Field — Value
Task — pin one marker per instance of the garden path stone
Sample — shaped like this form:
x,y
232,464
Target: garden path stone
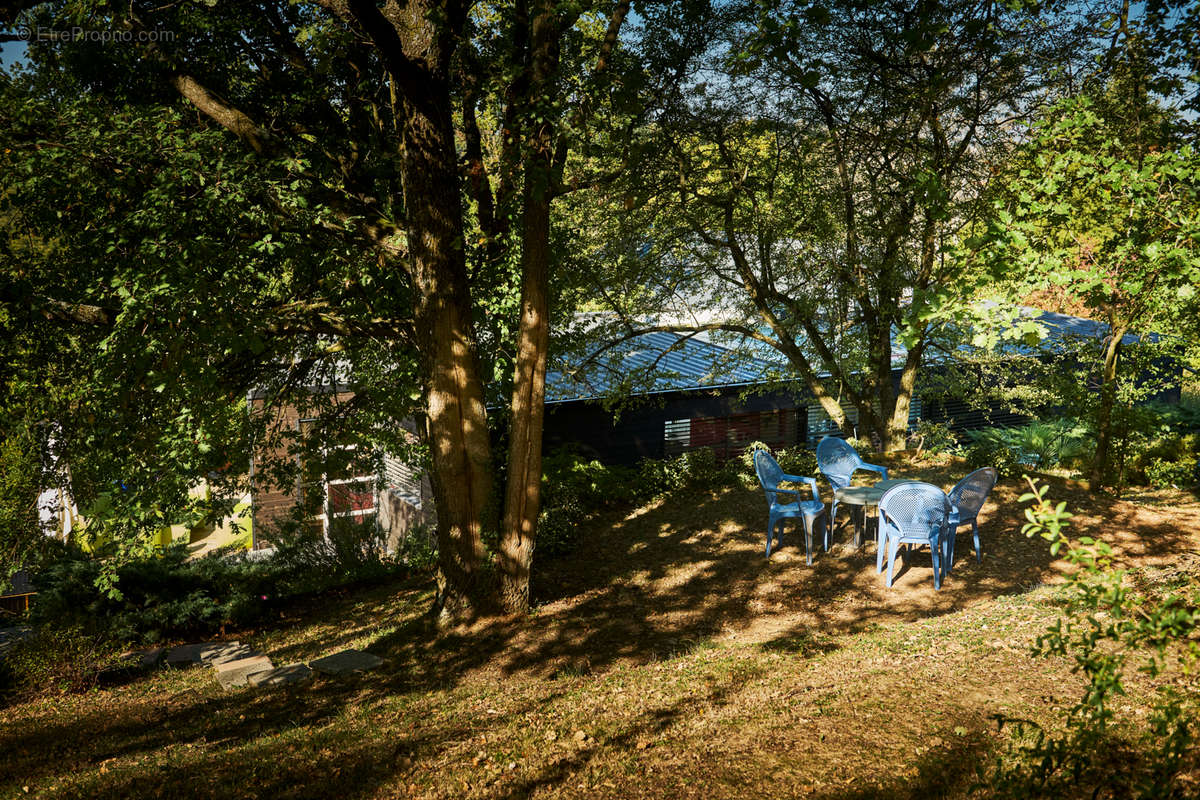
x,y
184,655
229,654
280,676
235,673
345,662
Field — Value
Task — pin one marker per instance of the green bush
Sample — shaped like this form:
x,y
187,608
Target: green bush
x,y
574,486
862,446
156,597
990,451
558,527
1106,629
697,467
306,561
1165,474
170,594
418,548
792,460
1167,447
570,476
934,438
700,468
57,659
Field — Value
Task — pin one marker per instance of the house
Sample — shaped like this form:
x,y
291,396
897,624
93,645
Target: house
x,y
696,393
341,486
379,489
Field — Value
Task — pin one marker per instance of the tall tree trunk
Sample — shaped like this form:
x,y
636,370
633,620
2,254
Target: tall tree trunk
x,y
1104,412
416,42
897,423
522,499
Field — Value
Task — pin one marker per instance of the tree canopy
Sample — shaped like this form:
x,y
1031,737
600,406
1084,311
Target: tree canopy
x,y
815,177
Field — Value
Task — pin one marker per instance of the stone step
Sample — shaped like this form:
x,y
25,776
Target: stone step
x,y
231,654
280,676
235,673
346,662
143,659
199,653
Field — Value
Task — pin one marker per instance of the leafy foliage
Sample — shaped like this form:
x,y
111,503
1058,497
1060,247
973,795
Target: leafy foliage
x,y
58,659
1101,211
576,486
805,201
1106,628
22,543
1179,474
170,594
934,438
792,460
990,450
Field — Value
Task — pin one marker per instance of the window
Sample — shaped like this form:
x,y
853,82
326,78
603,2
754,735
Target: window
x,y
339,486
402,479
819,423
678,433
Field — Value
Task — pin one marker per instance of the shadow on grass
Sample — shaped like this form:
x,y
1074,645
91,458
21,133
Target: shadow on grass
x,y
642,585
655,584
301,743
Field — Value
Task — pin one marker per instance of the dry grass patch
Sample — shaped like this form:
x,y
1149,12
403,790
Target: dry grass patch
x,y
666,658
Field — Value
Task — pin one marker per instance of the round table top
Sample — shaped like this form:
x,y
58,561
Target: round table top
x,y
867,495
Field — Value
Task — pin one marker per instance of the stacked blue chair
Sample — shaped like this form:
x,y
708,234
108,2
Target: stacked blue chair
x,y
838,461
914,513
968,498
769,477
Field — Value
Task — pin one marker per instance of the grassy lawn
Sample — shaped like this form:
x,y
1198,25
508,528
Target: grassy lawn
x,y
666,658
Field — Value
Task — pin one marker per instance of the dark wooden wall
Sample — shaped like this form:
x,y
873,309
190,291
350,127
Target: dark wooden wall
x,y
636,433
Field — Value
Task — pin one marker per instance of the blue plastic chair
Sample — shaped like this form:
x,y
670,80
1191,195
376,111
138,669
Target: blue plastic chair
x,y
914,513
769,477
838,461
968,498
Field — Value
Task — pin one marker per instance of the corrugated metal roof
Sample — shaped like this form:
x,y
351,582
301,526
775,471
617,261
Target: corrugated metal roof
x,y
671,362
653,363
1064,325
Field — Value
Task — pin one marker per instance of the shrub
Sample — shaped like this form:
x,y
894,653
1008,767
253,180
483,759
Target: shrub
x,y
170,594
988,451
792,460
558,527
418,548
156,597
934,438
306,561
1104,627
697,467
58,659
568,475
863,446
657,477
1168,447
1043,444
1165,474
574,486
